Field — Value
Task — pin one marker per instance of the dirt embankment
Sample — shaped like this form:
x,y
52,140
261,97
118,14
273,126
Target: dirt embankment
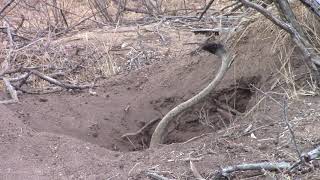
x,y
75,135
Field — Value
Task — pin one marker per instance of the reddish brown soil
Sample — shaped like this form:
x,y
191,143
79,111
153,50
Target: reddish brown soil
x,y
74,135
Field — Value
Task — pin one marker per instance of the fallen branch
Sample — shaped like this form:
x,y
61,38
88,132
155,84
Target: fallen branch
x,y
19,78
227,108
155,176
146,127
6,63
268,166
160,132
58,83
306,158
41,91
12,92
195,171
285,118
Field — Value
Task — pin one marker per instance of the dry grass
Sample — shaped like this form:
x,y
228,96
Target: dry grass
x,y
293,82
85,56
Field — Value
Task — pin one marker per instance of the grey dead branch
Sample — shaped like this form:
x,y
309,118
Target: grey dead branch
x,y
227,172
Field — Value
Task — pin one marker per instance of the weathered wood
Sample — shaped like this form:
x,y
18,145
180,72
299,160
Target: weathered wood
x,y
158,137
313,5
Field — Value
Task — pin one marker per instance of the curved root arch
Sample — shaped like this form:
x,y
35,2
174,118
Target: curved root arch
x,y
158,137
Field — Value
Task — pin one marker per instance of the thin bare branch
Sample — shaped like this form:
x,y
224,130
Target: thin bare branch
x,y
206,9
6,6
313,5
12,92
285,118
268,15
146,127
58,83
195,171
268,166
155,175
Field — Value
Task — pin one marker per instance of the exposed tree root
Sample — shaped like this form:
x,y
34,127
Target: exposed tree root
x,y
160,132
146,127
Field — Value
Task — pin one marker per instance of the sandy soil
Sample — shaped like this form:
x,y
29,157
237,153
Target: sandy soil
x,y
75,135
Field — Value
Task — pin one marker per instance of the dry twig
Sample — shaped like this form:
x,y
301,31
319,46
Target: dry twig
x,y
285,117
12,92
58,83
206,9
146,127
6,6
195,171
313,5
154,175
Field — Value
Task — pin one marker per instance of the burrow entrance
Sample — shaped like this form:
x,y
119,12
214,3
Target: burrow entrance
x,y
85,117
217,112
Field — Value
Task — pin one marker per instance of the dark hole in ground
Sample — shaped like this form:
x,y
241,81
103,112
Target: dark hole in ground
x,y
213,114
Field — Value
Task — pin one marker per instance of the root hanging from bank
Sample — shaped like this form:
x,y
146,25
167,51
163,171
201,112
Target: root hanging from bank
x,y
158,137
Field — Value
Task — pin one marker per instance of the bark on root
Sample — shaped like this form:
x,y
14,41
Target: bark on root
x,y
158,137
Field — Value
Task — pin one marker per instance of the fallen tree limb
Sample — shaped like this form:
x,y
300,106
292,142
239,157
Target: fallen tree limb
x,y
12,92
160,132
306,158
58,83
54,90
195,171
268,166
155,176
